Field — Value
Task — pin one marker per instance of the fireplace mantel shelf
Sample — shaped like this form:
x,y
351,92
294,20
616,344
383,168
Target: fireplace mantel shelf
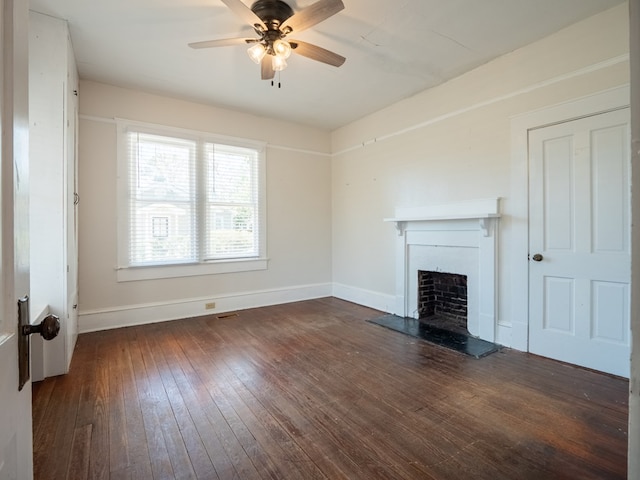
x,y
485,211
484,219
433,218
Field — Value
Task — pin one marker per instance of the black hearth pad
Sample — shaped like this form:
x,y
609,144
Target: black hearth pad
x,y
459,342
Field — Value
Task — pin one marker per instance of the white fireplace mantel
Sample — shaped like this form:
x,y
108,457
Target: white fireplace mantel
x,y
484,211
454,238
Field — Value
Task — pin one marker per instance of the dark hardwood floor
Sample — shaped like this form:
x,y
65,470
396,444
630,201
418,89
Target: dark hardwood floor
x,y
310,390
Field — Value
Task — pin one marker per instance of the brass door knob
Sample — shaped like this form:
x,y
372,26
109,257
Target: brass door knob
x,y
537,257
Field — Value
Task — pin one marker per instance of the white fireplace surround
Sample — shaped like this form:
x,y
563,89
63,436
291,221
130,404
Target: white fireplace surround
x,y
454,238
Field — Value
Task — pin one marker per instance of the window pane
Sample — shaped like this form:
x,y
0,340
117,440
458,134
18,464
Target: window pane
x,y
164,167
232,202
162,200
232,233
231,172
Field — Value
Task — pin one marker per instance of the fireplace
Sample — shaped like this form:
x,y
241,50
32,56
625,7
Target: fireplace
x,y
442,299
456,238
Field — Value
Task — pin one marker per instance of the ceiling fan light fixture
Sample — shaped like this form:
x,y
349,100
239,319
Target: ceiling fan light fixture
x,y
272,22
257,52
278,63
282,48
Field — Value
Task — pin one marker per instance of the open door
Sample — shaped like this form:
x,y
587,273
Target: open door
x,y
16,450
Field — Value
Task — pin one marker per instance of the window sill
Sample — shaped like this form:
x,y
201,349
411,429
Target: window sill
x,y
133,274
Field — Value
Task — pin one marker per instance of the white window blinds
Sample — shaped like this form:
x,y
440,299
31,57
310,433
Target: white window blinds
x,y
231,202
190,200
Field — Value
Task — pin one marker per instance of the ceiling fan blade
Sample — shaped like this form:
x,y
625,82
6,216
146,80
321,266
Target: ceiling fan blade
x,y
266,68
224,42
244,12
312,15
317,53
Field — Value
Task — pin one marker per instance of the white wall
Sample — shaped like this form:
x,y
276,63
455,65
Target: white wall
x,y
452,144
298,213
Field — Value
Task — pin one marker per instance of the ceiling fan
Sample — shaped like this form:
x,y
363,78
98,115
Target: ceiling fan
x,y
273,21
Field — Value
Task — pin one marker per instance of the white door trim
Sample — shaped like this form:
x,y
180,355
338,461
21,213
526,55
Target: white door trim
x,y
608,100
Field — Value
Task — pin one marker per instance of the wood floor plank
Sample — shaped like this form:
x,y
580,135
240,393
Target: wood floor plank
x,y
42,392
97,402
80,453
118,448
310,390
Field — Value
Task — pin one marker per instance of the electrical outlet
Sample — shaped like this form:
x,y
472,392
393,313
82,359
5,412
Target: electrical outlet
x,y
210,305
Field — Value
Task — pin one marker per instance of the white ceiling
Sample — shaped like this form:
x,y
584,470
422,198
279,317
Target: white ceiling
x,y
394,49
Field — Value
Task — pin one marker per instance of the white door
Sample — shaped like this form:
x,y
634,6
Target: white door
x,y
71,203
16,452
579,242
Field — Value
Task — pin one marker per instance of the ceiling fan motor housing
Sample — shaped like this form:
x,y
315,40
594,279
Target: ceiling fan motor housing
x,y
270,10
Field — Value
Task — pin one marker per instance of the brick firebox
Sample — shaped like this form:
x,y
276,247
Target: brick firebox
x,y
443,295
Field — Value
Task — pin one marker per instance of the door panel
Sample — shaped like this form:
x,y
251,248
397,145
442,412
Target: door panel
x,y
559,315
610,212
558,207
609,318
580,225
16,453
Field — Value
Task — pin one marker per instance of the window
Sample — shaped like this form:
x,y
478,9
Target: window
x,y
160,227
190,201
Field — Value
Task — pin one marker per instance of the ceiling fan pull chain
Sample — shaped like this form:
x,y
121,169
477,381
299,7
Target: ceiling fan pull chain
x,y
273,84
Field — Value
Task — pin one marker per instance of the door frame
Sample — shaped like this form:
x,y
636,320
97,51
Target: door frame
x,y
517,256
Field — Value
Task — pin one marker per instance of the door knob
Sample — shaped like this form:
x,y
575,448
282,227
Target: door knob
x,y
48,328
537,257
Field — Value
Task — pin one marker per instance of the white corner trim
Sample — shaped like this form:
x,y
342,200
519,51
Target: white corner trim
x,y
376,300
141,314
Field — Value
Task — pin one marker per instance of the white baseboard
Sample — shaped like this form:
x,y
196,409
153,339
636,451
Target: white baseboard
x,y
109,318
368,298
503,335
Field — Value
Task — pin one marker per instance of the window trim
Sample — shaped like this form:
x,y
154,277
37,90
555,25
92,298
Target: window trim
x,y
126,272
